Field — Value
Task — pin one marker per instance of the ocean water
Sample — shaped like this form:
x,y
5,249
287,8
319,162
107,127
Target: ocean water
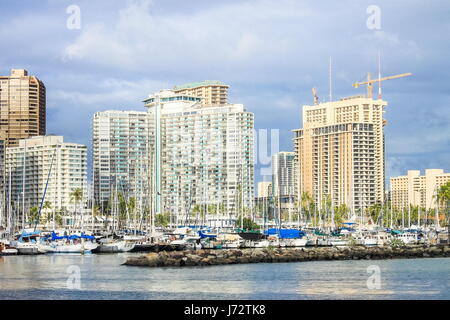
x,y
104,277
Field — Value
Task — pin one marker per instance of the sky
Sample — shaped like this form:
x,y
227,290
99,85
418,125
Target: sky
x,y
270,52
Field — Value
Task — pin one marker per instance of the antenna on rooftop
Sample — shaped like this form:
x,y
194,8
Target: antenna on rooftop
x,y
379,75
331,85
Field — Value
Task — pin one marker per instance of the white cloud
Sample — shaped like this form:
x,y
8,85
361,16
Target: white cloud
x,y
227,33
109,92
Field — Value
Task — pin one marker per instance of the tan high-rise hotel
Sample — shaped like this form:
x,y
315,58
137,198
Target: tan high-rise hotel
x,y
340,152
22,107
210,92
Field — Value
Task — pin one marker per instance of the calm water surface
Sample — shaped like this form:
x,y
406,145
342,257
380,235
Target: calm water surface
x,y
103,277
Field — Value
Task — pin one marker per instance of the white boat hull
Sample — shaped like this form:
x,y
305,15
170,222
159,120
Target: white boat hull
x,y
339,243
8,252
231,245
26,248
68,248
301,242
116,246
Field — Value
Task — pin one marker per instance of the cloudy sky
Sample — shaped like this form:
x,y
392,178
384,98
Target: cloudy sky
x,y
270,52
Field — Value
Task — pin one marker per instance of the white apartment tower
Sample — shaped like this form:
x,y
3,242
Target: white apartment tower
x,y
34,161
205,154
283,178
120,155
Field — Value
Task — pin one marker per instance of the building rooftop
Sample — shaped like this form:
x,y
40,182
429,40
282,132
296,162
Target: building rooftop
x,y
200,84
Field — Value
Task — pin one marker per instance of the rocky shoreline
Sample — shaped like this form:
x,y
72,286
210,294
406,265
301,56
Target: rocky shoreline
x,y
273,255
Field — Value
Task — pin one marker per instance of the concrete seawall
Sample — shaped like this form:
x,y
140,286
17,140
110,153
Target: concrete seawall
x,y
273,255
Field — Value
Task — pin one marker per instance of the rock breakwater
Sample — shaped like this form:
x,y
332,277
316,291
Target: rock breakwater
x,y
273,255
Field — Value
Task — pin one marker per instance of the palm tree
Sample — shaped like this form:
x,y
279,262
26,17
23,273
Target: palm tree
x,y
132,210
196,210
47,206
123,208
34,215
326,205
340,213
76,195
222,209
59,218
374,212
306,201
299,215
443,199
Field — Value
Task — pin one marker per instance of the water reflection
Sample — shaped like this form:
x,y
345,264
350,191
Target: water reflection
x,y
104,276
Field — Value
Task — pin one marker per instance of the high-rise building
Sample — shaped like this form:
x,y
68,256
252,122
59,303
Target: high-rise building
x,y
263,207
416,190
38,159
120,158
205,155
264,189
340,152
210,92
283,178
22,107
283,182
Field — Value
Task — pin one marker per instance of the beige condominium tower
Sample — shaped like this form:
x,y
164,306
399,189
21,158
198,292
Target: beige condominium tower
x,y
416,190
340,152
22,107
210,92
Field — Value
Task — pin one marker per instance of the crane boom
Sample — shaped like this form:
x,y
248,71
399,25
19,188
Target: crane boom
x,y
371,81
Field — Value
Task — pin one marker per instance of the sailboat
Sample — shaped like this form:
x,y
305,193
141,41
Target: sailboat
x,y
110,245
68,244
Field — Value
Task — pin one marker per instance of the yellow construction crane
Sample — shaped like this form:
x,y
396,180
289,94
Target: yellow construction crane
x,y
371,81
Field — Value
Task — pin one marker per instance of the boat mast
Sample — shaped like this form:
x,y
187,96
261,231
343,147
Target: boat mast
x,y
23,185
403,218
92,189
46,186
418,217
390,204
9,222
409,216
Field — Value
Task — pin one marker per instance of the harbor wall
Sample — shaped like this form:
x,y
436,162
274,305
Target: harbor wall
x,y
273,255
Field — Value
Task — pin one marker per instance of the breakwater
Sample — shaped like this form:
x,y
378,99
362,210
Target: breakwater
x,y
273,255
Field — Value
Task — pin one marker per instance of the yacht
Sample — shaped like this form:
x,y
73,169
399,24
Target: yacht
x,y
408,237
296,242
115,246
6,249
338,242
27,243
188,242
68,244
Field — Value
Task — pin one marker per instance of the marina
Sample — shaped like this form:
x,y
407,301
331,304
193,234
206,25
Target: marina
x,y
30,242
